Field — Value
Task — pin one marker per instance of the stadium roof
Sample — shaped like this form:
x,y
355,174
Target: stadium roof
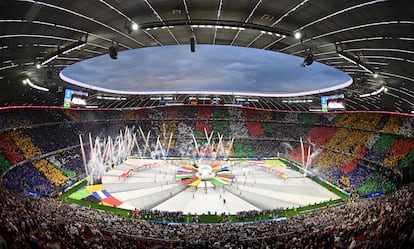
x,y
371,40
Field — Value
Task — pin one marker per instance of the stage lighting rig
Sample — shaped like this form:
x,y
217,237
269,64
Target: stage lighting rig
x,y
192,44
357,62
69,48
112,51
308,60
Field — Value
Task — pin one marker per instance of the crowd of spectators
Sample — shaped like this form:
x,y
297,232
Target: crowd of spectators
x,y
4,164
9,149
364,121
393,124
400,149
279,131
64,136
317,137
70,162
24,142
337,140
23,152
385,222
407,127
184,144
357,142
237,127
27,176
30,117
245,215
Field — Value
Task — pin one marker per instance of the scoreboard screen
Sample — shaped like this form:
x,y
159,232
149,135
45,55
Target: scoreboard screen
x,y
333,102
75,98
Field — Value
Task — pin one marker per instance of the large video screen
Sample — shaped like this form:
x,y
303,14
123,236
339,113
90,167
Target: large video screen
x,y
75,98
333,102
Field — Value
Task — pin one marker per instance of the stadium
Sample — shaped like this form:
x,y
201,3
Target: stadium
x,y
206,124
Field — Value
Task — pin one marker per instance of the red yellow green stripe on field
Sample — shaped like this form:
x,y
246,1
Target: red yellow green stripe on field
x,y
188,175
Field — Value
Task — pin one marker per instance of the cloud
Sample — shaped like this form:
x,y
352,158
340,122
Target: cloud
x,y
210,68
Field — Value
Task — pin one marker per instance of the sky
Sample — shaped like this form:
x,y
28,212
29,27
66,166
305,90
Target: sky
x,y
211,68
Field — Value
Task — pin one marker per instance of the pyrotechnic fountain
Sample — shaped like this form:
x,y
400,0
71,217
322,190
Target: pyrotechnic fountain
x,y
207,166
107,152
212,150
306,162
287,146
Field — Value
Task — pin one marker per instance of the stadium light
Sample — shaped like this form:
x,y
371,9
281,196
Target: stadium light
x,y
382,89
29,82
110,98
130,26
216,24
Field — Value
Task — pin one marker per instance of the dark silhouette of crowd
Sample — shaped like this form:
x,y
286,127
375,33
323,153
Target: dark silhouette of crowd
x,y
385,222
157,215
245,215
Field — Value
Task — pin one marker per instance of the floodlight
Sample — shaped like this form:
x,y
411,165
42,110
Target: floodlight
x,y
113,53
192,44
130,26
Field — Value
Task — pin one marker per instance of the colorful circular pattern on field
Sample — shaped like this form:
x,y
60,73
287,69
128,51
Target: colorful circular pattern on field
x,y
206,175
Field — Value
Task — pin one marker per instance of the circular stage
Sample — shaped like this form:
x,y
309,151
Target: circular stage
x,y
205,187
